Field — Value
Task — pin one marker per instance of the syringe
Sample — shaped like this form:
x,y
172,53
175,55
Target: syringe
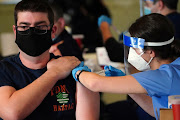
x,y
102,72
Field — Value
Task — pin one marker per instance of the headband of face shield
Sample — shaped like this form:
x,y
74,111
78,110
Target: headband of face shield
x,y
134,49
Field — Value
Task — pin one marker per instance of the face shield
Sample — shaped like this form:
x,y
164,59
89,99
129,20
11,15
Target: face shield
x,y
133,51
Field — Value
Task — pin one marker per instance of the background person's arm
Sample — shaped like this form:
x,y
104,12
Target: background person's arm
x,y
114,48
105,31
88,104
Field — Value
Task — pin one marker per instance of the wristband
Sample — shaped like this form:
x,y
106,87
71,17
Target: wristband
x,y
79,74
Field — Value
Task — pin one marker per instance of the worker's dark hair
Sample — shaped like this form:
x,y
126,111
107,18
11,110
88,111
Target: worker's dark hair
x,y
34,6
156,28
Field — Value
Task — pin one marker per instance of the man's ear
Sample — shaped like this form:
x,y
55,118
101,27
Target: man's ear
x,y
14,30
161,4
54,28
62,23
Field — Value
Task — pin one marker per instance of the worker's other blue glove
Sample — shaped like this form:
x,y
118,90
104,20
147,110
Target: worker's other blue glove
x,y
111,71
79,68
104,18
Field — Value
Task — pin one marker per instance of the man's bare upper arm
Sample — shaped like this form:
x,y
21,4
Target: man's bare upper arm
x,y
88,104
5,94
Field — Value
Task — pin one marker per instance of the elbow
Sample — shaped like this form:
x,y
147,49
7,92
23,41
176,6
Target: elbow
x,y
13,115
91,81
93,85
152,114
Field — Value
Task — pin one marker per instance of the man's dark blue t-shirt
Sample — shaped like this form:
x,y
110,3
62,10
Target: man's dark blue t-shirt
x,y
59,104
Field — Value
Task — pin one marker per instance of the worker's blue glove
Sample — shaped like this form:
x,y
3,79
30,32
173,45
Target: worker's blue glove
x,y
79,68
104,18
81,64
111,71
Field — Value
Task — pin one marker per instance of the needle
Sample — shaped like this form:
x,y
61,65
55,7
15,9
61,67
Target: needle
x,y
100,72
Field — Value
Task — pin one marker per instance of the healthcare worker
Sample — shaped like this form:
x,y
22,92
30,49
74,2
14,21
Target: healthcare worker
x,y
152,49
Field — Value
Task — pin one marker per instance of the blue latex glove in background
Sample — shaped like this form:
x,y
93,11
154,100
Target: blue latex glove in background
x,y
104,18
79,68
111,71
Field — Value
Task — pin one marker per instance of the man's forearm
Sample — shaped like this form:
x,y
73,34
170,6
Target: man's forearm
x,y
24,101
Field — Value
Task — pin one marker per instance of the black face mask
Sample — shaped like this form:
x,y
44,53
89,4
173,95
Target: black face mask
x,y
34,44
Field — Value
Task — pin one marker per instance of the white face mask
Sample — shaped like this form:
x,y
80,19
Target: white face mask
x,y
137,61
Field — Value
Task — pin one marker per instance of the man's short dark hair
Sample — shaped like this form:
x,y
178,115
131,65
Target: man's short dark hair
x,y
34,6
171,4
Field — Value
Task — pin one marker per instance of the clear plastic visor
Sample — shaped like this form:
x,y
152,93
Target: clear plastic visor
x,y
136,44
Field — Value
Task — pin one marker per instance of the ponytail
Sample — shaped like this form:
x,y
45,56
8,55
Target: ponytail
x,y
175,49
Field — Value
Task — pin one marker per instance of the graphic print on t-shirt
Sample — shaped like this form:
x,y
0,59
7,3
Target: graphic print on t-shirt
x,y
62,95
62,98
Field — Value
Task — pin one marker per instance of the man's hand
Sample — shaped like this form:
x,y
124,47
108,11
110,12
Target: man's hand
x,y
63,66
